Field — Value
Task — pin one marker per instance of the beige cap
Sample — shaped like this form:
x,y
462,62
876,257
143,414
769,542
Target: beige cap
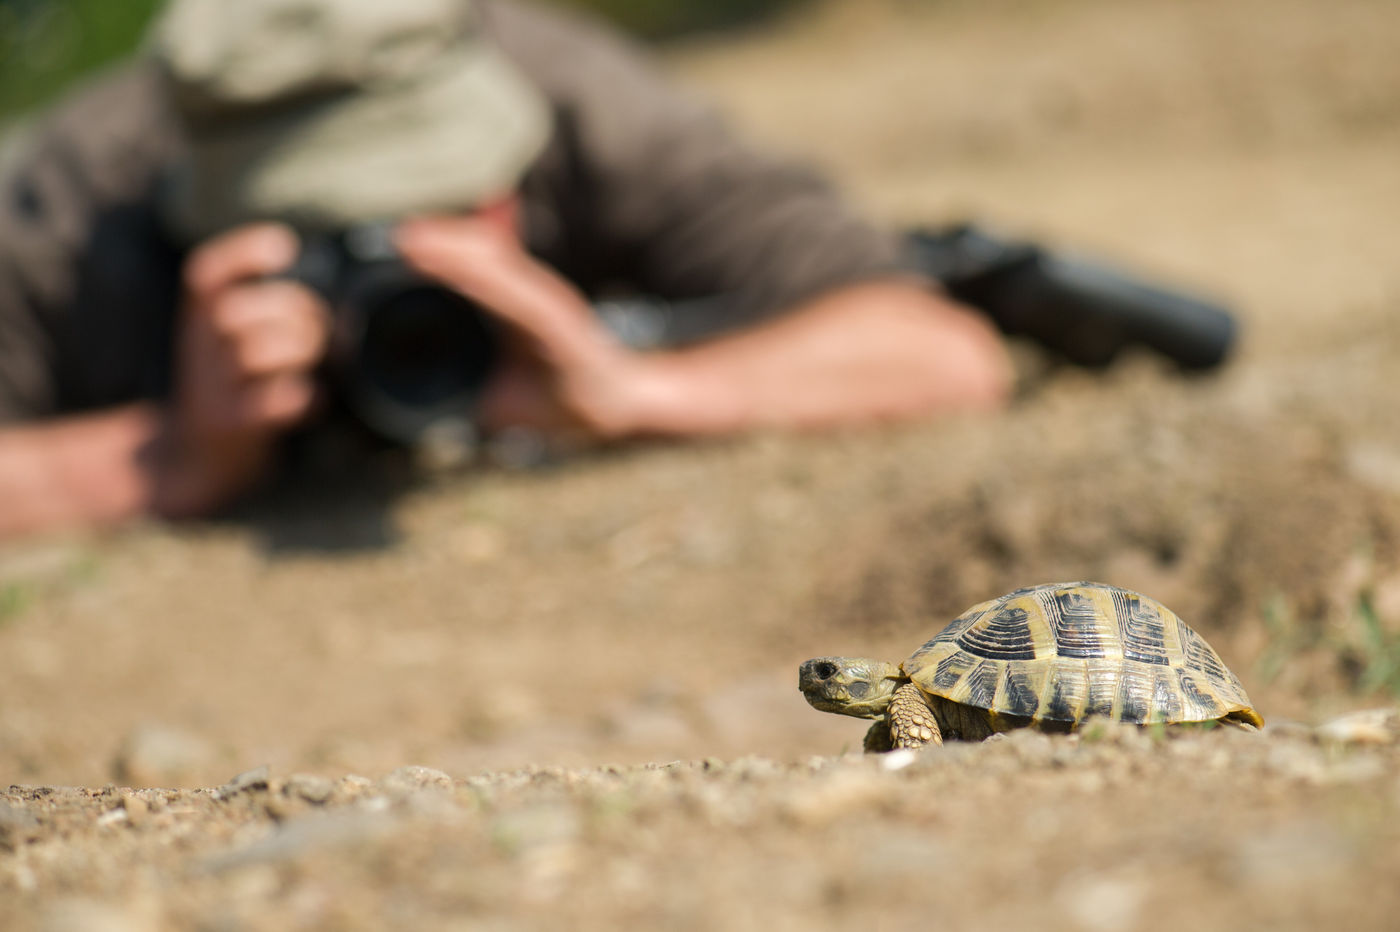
x,y
335,112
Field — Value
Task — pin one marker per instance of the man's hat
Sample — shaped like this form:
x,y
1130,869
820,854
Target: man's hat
x,y
334,112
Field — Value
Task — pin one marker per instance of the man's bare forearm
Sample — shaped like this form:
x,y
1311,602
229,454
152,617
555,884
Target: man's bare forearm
x,y
86,470
880,351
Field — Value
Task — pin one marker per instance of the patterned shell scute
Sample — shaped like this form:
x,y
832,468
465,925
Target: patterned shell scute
x,y
1060,652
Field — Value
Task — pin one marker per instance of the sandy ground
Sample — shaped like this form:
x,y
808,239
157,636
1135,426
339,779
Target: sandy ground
x,y
549,644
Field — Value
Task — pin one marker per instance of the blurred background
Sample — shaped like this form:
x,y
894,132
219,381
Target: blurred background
x,y
45,44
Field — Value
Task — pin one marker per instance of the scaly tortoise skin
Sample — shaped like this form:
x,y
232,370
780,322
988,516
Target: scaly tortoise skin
x,y
1045,657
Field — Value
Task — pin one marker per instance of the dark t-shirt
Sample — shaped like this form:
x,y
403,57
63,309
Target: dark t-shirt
x,y
640,188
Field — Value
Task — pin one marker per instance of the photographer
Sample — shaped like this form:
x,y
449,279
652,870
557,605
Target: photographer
x,y
154,346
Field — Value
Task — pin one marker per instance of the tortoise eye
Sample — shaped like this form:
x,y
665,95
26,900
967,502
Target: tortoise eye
x,y
825,670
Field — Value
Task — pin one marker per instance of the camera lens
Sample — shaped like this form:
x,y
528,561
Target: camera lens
x,y
407,355
425,347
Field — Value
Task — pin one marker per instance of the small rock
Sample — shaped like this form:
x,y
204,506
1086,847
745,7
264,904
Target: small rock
x,y
136,808
1100,730
446,446
309,787
1291,855
1289,729
723,804
1102,903
1373,727
646,725
842,793
23,876
88,916
1032,747
478,543
281,808
16,827
957,754
534,827
412,778
1354,768
352,786
754,768
1375,465
159,755
255,779
518,449
1298,761
112,816
898,759
295,838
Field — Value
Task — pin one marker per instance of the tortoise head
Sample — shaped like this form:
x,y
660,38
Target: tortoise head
x,y
849,685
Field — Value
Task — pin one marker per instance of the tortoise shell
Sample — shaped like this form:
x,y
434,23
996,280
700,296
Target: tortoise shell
x,y
1049,656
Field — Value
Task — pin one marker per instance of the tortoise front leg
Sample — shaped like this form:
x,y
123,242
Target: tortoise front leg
x,y
877,739
912,724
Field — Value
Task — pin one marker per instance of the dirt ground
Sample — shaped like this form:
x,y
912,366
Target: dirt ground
x,y
566,697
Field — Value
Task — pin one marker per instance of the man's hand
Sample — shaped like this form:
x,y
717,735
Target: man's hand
x,y
889,349
245,354
561,372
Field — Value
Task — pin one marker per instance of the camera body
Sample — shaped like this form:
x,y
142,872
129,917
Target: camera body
x,y
406,354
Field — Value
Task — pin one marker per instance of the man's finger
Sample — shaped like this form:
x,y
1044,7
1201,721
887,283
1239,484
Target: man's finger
x,y
253,251
271,327
277,401
277,347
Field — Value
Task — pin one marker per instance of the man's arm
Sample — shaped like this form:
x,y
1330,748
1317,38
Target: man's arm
x,y
107,467
247,347
879,351
874,351
82,470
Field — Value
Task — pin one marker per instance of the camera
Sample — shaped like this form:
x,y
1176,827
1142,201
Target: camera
x,y
406,354
409,356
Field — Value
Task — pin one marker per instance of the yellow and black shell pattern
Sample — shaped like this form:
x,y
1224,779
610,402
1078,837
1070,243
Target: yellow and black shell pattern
x,y
1050,656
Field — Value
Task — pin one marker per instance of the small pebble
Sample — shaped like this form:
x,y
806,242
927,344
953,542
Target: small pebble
x,y
80,915
159,755
282,808
352,786
255,779
16,827
136,808
828,798
411,778
1372,727
310,787
535,826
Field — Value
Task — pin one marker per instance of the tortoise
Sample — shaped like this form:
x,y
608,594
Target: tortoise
x,y
1045,657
